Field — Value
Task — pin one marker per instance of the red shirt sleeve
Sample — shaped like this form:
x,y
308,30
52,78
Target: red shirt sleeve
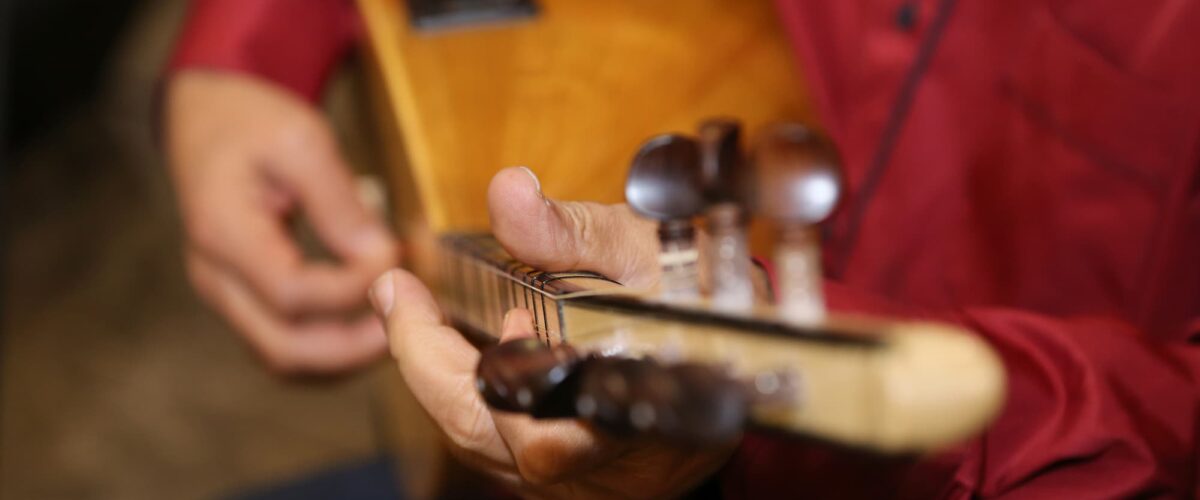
x,y
1094,409
294,43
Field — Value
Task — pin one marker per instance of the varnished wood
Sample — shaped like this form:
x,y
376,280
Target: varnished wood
x,y
570,93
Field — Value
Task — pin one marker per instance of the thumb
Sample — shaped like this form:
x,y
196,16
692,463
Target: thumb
x,y
562,236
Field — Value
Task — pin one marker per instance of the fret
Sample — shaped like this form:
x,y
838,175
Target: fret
x,y
461,272
453,280
514,295
470,278
545,324
488,313
494,314
463,306
478,306
485,305
537,324
485,283
526,278
503,290
525,299
498,299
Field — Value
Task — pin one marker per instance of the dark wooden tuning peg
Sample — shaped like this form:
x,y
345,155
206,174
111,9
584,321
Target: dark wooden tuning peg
x,y
665,182
607,392
711,409
687,404
797,175
528,376
721,160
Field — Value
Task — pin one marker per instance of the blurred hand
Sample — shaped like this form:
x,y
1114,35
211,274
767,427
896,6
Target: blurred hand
x,y
247,157
553,459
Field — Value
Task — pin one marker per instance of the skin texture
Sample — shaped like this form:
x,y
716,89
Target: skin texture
x,y
246,158
539,459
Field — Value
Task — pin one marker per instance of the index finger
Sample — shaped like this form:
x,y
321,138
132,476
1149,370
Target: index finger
x,y
438,365
314,346
250,239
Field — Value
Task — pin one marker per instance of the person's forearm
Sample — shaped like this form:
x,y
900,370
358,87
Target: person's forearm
x,y
1086,397
293,43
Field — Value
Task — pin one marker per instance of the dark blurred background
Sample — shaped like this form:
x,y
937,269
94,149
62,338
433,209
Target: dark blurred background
x,y
114,381
59,48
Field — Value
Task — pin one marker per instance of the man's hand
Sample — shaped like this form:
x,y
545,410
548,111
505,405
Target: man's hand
x,y
538,458
246,157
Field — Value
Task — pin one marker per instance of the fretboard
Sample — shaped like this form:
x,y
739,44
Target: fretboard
x,y
481,282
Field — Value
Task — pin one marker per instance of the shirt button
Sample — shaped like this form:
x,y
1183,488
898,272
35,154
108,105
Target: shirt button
x,y
906,16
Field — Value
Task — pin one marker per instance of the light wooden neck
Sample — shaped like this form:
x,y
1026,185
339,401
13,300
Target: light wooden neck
x,y
881,385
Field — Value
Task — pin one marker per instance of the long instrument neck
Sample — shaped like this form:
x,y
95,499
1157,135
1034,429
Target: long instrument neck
x,y
864,382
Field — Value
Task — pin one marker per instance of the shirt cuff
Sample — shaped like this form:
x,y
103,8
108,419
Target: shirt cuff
x,y
295,44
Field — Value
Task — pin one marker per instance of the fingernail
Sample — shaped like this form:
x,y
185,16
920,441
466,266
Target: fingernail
x,y
383,293
537,183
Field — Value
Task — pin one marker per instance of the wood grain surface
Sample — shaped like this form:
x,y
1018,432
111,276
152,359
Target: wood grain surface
x,y
570,93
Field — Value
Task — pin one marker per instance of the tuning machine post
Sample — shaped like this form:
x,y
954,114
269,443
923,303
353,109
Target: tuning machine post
x,y
725,181
798,182
665,184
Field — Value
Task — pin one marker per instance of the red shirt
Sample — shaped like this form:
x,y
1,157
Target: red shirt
x,y
294,43
1027,168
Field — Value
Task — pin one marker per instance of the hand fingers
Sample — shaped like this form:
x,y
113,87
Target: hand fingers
x,y
558,236
330,197
231,223
518,324
438,364
315,346
243,153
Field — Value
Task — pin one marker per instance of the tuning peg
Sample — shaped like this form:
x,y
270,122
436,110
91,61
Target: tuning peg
x,y
798,183
528,376
665,183
721,160
688,403
725,178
